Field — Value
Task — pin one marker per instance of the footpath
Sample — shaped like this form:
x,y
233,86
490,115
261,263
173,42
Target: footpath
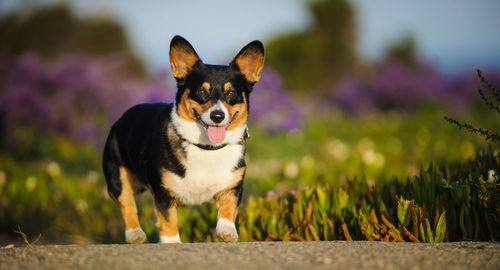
x,y
258,255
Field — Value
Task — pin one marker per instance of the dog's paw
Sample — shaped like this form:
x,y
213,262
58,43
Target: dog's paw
x,y
226,230
135,236
170,239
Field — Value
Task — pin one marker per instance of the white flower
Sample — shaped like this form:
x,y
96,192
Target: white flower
x,y
53,169
291,170
492,175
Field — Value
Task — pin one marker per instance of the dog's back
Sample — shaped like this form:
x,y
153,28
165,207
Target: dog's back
x,y
134,142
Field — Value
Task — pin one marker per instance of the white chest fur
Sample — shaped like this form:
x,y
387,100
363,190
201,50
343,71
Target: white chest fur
x,y
207,172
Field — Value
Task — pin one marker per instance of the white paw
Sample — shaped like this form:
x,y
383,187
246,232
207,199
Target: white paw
x,y
135,236
170,239
226,230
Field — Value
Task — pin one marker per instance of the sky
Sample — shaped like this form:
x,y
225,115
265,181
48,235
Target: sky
x,y
456,35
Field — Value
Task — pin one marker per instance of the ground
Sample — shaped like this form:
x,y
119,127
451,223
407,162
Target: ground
x,y
258,255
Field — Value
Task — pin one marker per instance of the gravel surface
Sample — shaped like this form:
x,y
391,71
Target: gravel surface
x,y
258,255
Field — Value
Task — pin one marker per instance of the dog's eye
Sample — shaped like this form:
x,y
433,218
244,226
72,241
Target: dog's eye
x,y
203,93
230,94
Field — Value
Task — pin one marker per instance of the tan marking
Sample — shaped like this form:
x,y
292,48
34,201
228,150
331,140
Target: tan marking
x,y
226,205
240,118
126,199
206,86
250,63
228,86
174,140
226,201
168,183
186,106
167,221
166,180
182,60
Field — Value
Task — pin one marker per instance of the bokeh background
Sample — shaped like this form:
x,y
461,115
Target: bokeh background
x,y
350,89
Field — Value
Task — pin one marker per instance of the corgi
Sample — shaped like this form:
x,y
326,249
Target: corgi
x,y
187,152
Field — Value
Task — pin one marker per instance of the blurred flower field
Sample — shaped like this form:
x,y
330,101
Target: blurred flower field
x,y
54,118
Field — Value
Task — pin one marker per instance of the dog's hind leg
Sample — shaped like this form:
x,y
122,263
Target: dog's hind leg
x,y
122,188
126,200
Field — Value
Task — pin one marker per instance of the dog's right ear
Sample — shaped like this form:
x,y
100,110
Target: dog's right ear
x,y
182,57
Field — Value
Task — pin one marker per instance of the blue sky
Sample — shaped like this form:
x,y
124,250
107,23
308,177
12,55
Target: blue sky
x,y
457,35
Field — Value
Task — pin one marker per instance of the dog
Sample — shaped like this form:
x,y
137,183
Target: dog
x,y
187,152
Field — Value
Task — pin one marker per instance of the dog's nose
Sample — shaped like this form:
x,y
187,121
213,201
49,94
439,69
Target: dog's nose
x,y
217,116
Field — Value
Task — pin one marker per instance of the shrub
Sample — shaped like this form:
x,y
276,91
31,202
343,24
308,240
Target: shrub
x,y
271,108
395,86
487,134
446,203
78,98
313,59
75,97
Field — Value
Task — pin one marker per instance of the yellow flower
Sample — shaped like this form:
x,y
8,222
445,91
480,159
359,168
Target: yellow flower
x,y
31,183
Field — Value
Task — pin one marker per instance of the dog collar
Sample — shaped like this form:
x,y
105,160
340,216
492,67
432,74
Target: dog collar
x,y
201,146
246,136
209,147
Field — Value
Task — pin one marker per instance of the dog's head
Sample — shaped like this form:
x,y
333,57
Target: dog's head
x,y
213,100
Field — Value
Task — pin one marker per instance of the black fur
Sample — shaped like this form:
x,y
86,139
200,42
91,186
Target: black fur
x,y
217,75
140,141
145,141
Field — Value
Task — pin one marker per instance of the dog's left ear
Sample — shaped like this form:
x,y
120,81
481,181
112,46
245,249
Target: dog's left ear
x,y
250,61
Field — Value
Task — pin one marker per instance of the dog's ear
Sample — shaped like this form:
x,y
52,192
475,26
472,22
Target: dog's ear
x,y
250,61
182,57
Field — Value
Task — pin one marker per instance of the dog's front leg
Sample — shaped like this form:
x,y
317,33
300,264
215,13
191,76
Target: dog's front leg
x,y
227,205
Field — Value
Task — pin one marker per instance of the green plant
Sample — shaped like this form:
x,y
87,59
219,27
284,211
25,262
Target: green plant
x,y
488,134
24,238
314,59
61,192
446,203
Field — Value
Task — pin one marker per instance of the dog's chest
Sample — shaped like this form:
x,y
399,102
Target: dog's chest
x,y
207,172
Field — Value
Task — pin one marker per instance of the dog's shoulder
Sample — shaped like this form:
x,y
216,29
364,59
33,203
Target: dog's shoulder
x,y
146,113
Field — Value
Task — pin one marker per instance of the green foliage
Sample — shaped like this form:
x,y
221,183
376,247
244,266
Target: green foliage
x,y
450,203
56,187
319,56
376,146
53,31
23,237
487,134
404,51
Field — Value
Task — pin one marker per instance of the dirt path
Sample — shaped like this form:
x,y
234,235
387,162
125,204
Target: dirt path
x,y
260,255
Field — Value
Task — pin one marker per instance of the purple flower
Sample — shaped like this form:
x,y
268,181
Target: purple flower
x,y
80,97
271,107
75,96
395,86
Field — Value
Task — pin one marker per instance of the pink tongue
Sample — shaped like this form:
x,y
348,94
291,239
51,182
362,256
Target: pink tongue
x,y
216,134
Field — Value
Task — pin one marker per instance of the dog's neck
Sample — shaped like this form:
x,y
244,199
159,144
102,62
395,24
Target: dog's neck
x,y
194,133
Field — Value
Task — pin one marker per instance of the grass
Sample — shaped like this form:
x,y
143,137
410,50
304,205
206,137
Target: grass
x,y
443,203
56,186
377,146
24,238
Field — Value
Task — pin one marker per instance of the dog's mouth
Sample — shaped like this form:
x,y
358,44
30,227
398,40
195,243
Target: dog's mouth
x,y
216,134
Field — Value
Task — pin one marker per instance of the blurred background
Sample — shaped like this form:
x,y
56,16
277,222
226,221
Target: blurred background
x,y
350,89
